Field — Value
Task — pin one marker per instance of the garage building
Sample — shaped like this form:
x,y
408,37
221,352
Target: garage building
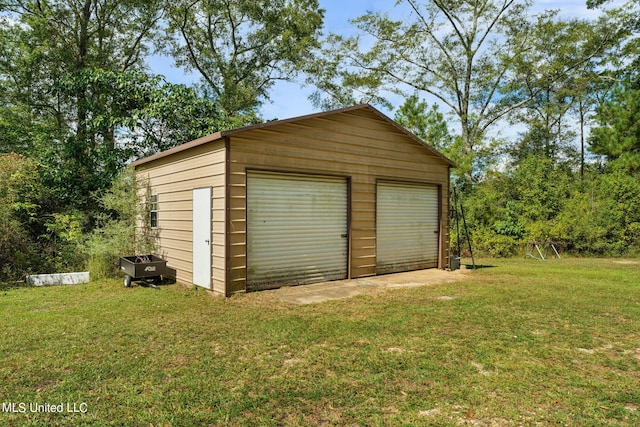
x,y
341,194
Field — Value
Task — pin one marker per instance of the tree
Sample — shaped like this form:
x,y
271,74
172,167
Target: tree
x,y
143,113
241,48
77,97
558,77
464,53
51,48
427,123
617,135
460,52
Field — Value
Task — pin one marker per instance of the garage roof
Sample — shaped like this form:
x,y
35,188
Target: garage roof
x,y
221,134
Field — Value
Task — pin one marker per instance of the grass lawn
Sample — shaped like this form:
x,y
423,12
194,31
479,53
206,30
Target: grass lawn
x,y
524,342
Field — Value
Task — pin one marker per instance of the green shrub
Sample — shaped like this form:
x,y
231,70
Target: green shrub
x,y
17,257
20,190
487,242
120,231
545,201
602,217
106,245
64,241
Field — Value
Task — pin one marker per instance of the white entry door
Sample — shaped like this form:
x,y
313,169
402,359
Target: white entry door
x,y
202,237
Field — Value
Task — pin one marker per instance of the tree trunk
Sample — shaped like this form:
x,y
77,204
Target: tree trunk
x,y
468,151
582,119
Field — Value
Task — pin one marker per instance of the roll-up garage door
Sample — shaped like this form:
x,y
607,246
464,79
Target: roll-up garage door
x,y
407,224
296,229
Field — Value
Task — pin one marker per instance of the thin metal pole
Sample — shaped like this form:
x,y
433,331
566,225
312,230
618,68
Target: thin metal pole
x,y
455,210
554,250
466,232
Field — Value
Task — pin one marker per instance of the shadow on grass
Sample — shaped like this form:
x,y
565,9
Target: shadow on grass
x,y
164,282
478,266
8,286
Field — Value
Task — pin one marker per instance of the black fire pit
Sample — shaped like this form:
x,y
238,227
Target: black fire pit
x,y
147,268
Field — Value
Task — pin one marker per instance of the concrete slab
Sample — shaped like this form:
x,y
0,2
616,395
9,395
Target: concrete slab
x,y
339,289
58,279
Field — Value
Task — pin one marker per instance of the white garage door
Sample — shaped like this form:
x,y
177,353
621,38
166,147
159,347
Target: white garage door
x,y
406,227
296,229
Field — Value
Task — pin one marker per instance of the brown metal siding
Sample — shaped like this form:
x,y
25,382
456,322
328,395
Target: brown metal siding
x,y
173,178
355,143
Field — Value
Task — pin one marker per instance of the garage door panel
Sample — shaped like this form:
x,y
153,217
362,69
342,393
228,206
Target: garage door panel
x,y
297,229
407,226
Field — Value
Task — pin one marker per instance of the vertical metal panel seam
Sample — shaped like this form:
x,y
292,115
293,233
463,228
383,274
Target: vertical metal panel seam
x,y
448,225
375,221
246,229
349,216
227,216
440,227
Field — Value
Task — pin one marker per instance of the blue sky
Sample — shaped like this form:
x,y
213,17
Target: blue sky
x,y
290,99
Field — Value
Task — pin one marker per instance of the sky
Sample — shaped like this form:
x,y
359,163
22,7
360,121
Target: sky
x,y
291,99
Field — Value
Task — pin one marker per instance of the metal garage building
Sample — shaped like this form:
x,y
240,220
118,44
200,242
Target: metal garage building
x,y
341,194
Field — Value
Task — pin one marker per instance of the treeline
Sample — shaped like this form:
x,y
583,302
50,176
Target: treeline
x,y
78,102
545,113
547,201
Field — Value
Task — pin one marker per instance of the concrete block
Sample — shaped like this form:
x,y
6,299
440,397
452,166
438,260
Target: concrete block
x,y
58,279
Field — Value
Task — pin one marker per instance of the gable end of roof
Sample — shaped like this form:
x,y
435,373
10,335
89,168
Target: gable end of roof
x,y
221,134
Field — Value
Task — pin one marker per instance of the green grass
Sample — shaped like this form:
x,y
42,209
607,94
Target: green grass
x,y
524,342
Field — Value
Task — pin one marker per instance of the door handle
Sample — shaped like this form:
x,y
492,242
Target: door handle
x,y
207,241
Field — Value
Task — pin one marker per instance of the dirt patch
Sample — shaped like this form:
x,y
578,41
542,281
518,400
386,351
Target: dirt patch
x,y
480,369
395,350
293,361
430,412
626,262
